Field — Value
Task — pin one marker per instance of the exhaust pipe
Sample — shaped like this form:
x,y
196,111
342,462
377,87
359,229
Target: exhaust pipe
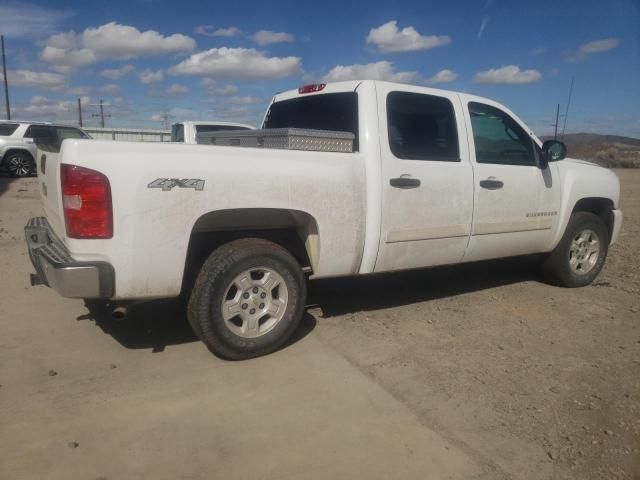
x,y
119,313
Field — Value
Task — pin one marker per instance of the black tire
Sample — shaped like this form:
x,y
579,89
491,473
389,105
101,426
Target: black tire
x,y
20,164
557,264
204,310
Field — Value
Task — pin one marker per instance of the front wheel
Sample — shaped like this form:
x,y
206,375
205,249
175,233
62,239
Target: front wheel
x,y
581,253
247,299
20,164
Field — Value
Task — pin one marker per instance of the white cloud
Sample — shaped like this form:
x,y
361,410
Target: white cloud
x,y
176,90
209,31
267,37
157,117
83,90
508,74
443,76
596,46
222,91
247,100
22,20
110,89
389,39
29,78
537,51
485,21
239,63
382,70
44,106
150,76
110,41
117,73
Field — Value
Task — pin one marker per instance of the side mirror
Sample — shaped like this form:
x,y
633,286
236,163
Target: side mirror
x,y
553,150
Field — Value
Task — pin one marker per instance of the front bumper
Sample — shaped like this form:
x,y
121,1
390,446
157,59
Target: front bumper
x,y
56,268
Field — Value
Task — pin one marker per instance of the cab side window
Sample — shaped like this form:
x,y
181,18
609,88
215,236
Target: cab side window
x,y
498,138
422,127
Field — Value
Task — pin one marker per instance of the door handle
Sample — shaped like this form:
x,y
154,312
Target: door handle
x,y
491,184
405,181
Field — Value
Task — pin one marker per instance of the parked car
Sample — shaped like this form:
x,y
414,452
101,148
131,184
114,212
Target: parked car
x,y
185,132
17,146
430,177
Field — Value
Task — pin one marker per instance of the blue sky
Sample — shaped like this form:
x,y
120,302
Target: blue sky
x,y
224,60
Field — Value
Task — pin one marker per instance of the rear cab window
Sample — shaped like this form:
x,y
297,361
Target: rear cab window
x,y
7,129
329,111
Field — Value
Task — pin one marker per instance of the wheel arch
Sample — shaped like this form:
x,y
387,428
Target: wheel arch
x,y
600,206
294,230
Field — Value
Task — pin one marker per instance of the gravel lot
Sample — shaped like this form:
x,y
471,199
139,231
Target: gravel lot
x,y
479,371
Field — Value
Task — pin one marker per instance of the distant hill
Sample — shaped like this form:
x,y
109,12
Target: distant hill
x,y
608,150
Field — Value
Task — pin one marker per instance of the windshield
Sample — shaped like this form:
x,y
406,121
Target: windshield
x,y
330,111
177,132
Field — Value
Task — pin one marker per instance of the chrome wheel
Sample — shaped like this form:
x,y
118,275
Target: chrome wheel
x,y
584,251
19,165
254,302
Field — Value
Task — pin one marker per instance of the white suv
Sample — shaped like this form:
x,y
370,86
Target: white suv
x,y
18,148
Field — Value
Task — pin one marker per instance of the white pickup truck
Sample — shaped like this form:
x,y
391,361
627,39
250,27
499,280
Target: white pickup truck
x,y
186,132
434,177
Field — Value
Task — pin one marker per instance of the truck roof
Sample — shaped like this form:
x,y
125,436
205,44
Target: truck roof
x,y
214,122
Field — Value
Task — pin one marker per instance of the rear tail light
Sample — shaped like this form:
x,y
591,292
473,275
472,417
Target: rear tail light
x,y
86,200
314,87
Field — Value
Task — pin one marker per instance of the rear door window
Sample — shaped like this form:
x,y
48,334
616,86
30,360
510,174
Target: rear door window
x,y
7,129
422,127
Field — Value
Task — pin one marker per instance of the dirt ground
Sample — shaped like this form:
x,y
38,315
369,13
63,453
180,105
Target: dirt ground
x,y
469,372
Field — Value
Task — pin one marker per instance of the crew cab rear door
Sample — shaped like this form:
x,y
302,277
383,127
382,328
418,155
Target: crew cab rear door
x,y
427,180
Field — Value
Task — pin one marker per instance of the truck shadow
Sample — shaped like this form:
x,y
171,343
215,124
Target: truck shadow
x,y
160,323
341,296
157,324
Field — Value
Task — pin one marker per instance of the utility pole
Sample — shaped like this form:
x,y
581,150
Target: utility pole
x,y
79,113
6,81
555,132
101,114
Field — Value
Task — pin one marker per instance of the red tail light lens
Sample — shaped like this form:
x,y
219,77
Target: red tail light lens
x,y
314,87
86,200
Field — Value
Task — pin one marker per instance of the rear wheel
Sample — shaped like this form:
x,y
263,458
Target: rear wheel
x,y
20,164
581,253
247,299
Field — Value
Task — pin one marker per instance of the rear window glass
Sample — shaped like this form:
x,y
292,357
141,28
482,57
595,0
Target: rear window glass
x,y
7,129
218,128
177,132
422,127
330,111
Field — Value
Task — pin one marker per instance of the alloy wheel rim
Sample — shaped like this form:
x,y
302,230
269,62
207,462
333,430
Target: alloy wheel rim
x,y
584,251
19,166
255,302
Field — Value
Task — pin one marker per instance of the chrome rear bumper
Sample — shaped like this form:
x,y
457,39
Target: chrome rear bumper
x,y
56,268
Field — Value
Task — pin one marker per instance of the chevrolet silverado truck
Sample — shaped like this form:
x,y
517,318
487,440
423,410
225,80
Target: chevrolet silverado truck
x,y
185,132
427,177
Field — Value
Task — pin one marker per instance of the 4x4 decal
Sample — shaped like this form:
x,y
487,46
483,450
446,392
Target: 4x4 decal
x,y
167,184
